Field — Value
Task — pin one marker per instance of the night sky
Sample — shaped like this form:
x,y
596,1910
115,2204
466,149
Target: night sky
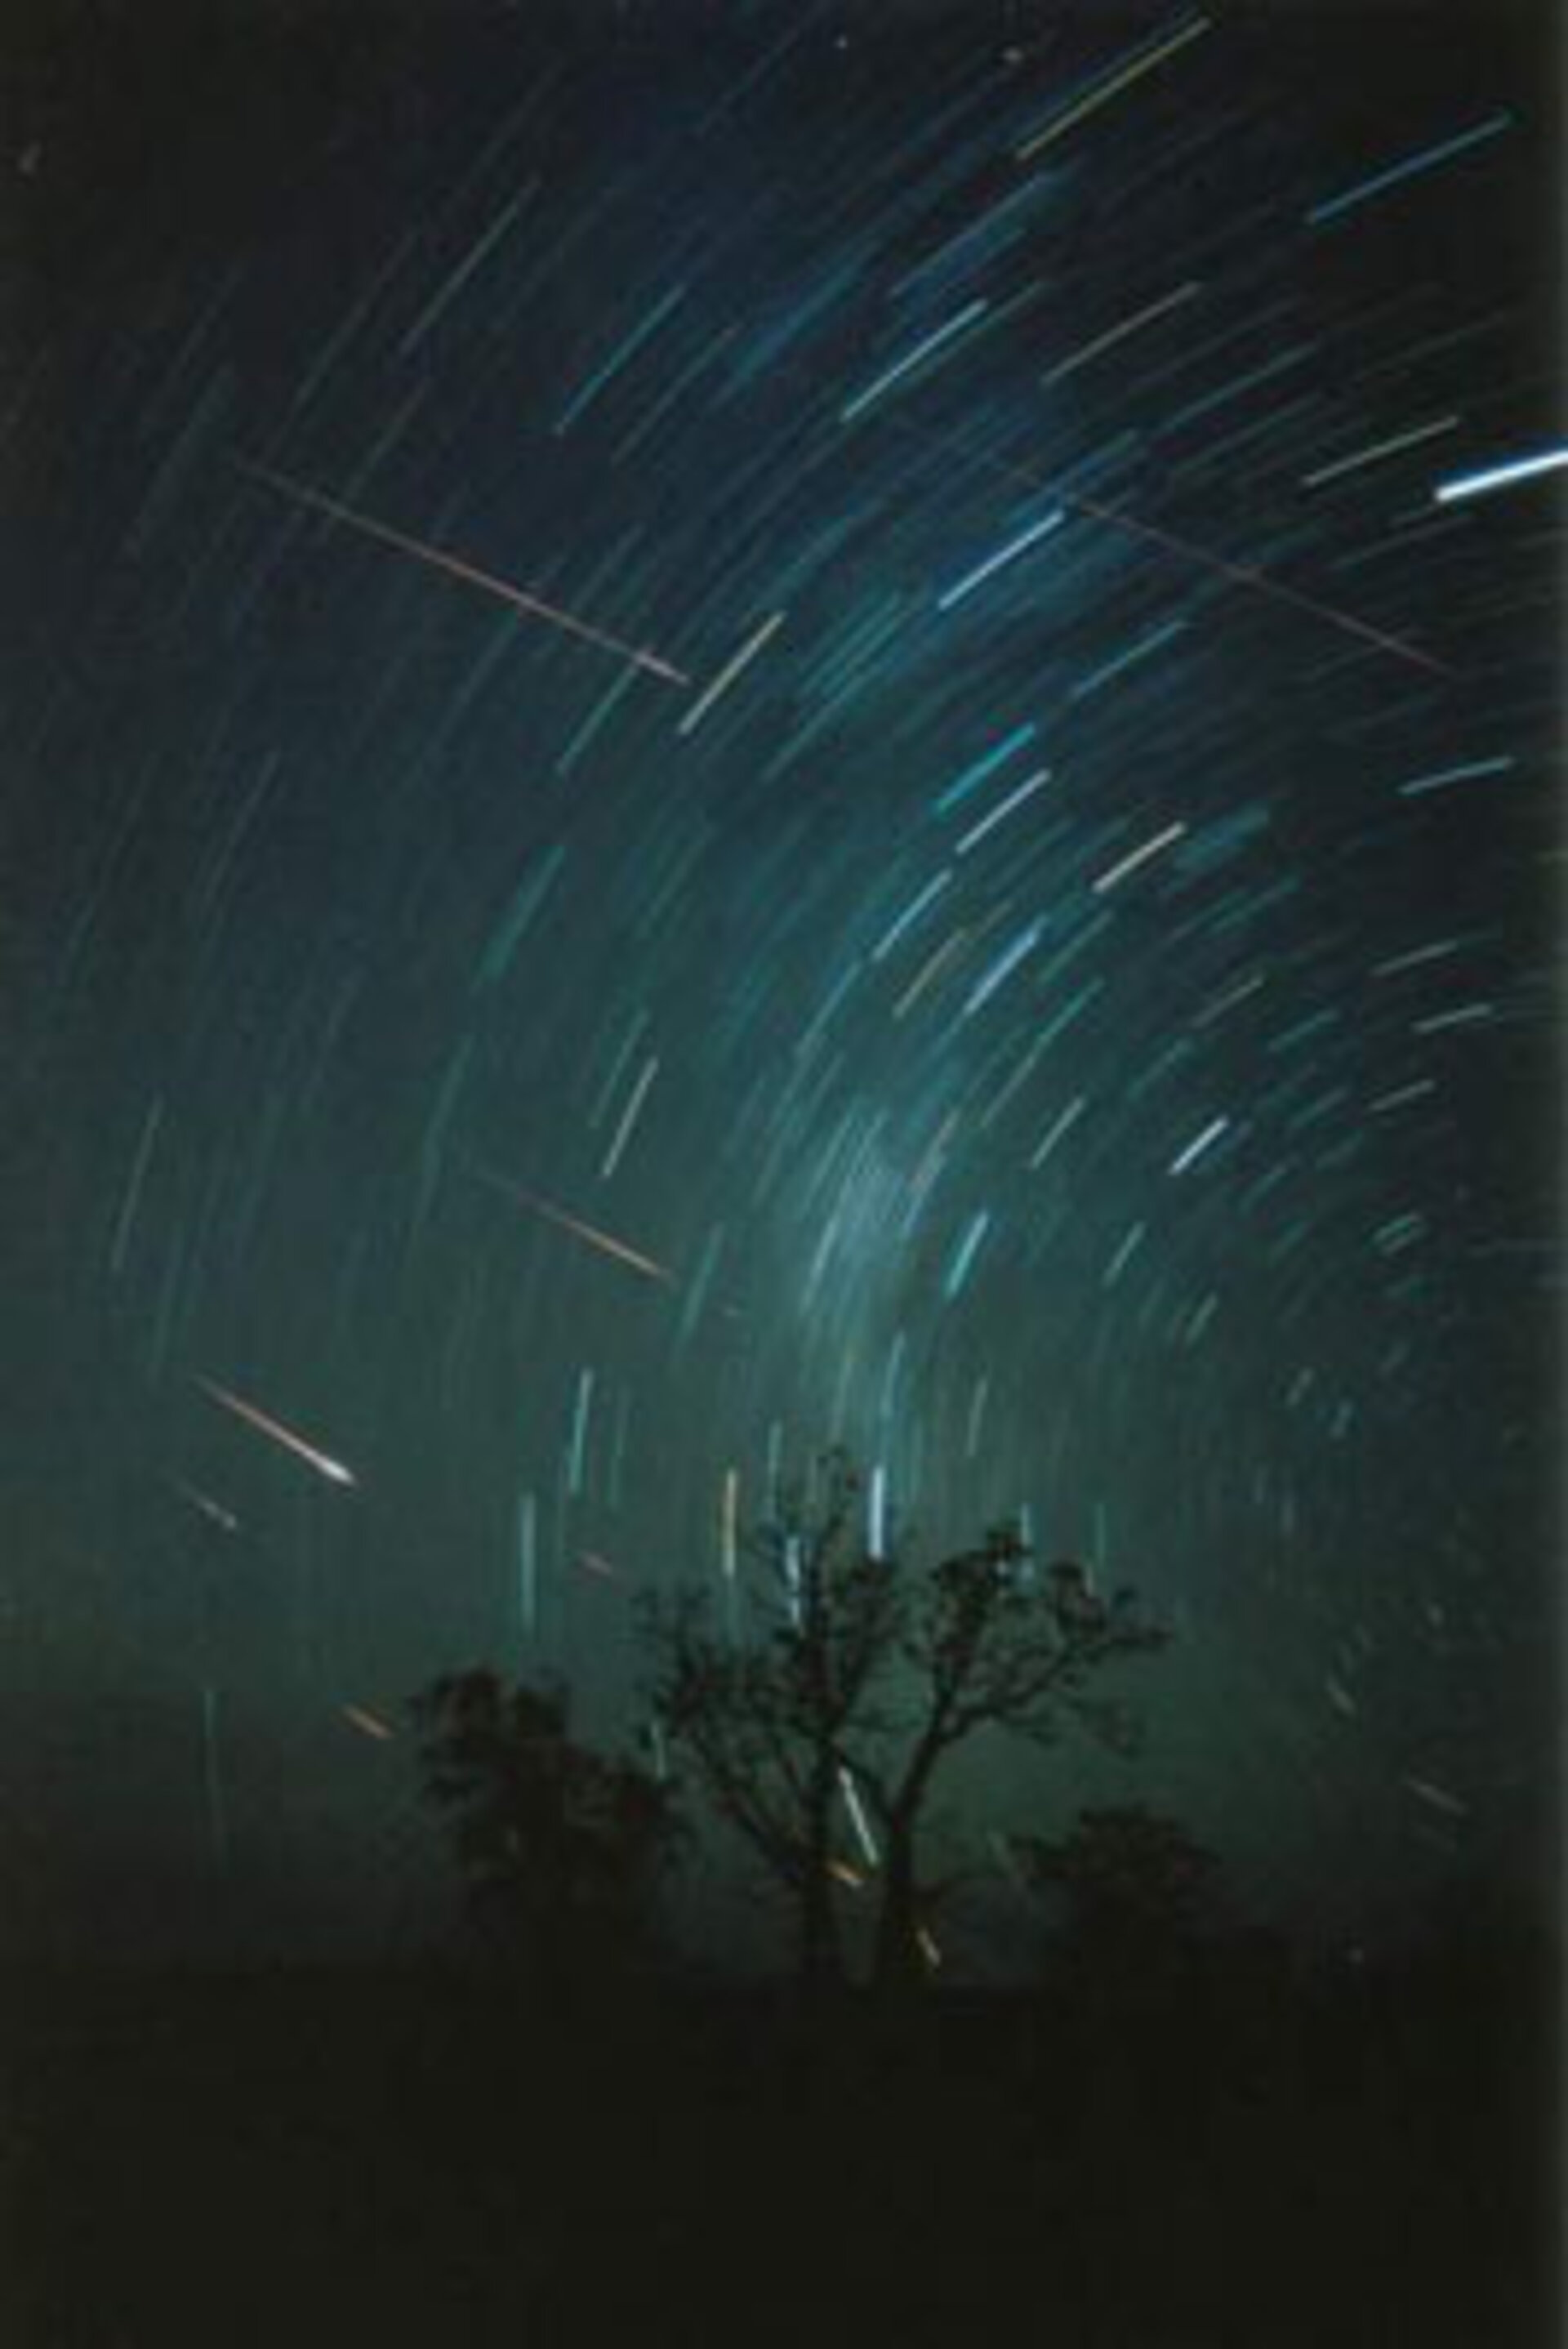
x,y
726,727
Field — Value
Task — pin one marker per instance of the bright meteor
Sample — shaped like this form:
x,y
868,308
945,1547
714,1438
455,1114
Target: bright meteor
x,y
455,567
266,1425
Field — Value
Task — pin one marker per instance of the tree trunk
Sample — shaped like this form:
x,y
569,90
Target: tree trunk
x,y
821,1959
898,1966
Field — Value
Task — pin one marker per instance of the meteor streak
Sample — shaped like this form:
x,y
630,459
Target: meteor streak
x,y
1247,574
210,1508
266,1425
1241,574
441,559
580,1230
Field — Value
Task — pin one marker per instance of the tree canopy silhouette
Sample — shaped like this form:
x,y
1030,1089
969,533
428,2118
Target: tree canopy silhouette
x,y
1139,1886
562,1849
832,1706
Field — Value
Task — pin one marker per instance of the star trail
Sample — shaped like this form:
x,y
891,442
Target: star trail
x,y
730,729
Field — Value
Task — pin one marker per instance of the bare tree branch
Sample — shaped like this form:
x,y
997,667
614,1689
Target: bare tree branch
x,y
872,1670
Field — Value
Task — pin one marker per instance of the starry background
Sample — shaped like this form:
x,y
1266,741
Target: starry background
x,y
998,905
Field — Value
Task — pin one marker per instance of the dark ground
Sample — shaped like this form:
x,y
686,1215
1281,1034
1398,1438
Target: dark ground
x,y
1248,2157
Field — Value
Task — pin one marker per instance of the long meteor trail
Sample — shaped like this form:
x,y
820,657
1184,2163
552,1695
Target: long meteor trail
x,y
266,1425
439,558
1260,583
1241,574
603,1241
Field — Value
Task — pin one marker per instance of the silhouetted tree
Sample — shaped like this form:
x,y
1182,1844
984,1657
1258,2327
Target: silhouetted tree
x,y
985,1645
767,1721
1139,1888
562,1849
854,1680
